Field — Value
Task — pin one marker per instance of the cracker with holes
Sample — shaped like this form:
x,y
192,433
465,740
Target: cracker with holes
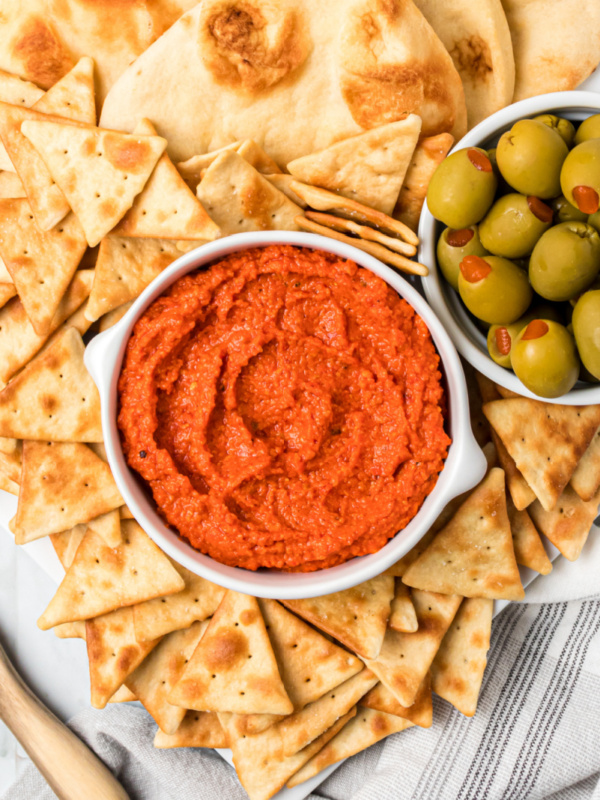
x,y
193,168
568,524
586,478
73,96
108,527
65,544
198,729
233,668
473,555
419,713
529,549
16,91
62,484
238,198
102,579
100,172
521,493
403,617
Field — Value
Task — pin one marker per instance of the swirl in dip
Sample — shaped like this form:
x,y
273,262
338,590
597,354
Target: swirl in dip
x,y
285,408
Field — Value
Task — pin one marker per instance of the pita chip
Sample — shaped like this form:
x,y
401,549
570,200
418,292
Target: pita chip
x,y
198,600
586,478
238,198
166,208
473,554
403,617
198,729
124,511
521,493
546,440
41,265
72,97
257,158
192,170
70,630
568,524
233,668
11,186
356,617
283,183
405,658
8,445
8,485
100,172
7,292
457,670
54,398
529,549
110,319
420,713
428,155
102,579
65,544
16,91
62,484
113,653
152,681
11,464
366,728
309,664
108,527
122,695
369,167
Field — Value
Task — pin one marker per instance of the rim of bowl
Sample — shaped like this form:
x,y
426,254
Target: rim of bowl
x,y
468,339
464,466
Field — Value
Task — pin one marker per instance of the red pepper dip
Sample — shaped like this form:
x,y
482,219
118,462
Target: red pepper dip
x,y
284,406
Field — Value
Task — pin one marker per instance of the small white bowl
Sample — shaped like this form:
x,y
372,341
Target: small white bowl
x,y
469,340
464,466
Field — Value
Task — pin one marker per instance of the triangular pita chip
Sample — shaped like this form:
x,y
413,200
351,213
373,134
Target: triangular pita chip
x,y
18,340
125,267
7,292
303,727
8,445
238,198
70,630
10,185
457,670
198,729
529,550
100,172
233,668
197,601
18,92
41,264
369,167
257,158
11,464
251,724
367,728
586,478
54,398
152,681
420,713
166,208
110,319
569,523
282,182
426,158
403,617
124,511
108,527
122,695
72,97
357,617
310,665
113,653
473,554
546,440
62,484
66,543
101,579
521,493
7,485
405,658
191,170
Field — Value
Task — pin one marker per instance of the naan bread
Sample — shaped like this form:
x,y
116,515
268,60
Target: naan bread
x,y
293,76
556,44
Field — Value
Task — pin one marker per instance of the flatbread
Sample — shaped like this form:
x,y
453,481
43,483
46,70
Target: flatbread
x,y
586,478
101,579
429,153
73,96
457,670
569,523
108,527
198,729
100,172
369,167
356,617
521,493
420,713
529,550
403,617
473,555
54,398
546,440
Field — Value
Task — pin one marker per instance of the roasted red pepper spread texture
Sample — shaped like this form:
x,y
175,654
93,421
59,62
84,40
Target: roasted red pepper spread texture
x,y
284,406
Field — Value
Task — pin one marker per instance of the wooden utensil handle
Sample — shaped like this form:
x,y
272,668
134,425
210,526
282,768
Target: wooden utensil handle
x,y
69,766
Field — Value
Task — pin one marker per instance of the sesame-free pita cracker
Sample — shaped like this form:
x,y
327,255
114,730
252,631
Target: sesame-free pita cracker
x,y
586,478
122,695
198,729
257,158
356,617
192,170
520,491
108,527
420,713
403,617
71,630
102,579
100,172
529,550
73,96
568,524
282,182
65,544
473,555
457,670
546,440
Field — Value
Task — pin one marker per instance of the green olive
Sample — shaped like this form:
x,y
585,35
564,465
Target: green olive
x,y
586,327
462,188
580,176
544,358
513,225
565,212
562,126
500,339
494,289
453,246
589,129
594,220
530,157
565,261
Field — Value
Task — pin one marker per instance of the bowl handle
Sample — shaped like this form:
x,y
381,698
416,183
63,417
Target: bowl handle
x,y
97,359
473,464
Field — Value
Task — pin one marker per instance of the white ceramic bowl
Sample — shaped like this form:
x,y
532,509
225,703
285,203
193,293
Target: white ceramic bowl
x,y
469,340
464,466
